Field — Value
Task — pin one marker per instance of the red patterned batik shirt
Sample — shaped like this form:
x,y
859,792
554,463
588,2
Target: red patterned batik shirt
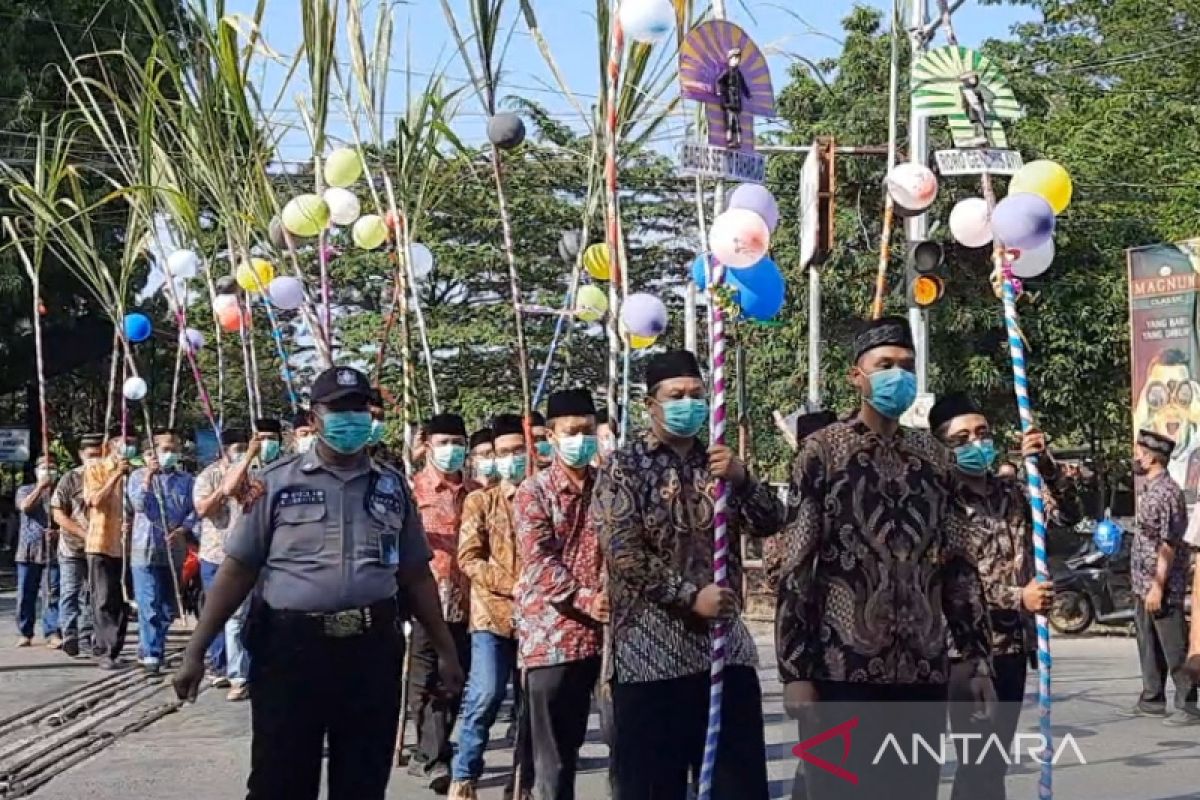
x,y
561,570
441,503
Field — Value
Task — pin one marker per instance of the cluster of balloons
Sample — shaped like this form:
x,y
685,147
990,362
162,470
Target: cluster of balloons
x,y
1024,221
740,239
647,20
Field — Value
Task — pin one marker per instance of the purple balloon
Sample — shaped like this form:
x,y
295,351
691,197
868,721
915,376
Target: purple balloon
x,y
1023,221
644,315
193,338
757,198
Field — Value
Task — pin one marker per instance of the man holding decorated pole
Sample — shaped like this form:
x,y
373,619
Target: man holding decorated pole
x,y
71,515
103,491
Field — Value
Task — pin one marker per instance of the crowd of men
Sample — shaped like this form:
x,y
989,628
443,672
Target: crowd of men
x,y
581,575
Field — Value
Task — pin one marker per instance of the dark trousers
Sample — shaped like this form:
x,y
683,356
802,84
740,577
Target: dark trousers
x,y
76,605
433,712
110,613
214,657
308,687
981,768
1162,647
860,718
662,726
559,700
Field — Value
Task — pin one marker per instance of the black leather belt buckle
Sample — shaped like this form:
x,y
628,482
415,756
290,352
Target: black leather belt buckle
x,y
343,624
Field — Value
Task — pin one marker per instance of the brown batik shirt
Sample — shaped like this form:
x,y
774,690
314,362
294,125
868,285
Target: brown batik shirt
x,y
877,562
1161,519
654,513
487,554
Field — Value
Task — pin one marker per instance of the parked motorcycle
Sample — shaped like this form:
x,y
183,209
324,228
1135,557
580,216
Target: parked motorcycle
x,y
1091,587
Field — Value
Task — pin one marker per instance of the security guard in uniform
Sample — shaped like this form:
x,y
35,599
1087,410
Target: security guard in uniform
x,y
328,536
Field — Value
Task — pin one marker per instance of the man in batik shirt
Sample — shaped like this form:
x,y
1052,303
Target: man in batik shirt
x,y
1159,572
440,489
654,511
1001,540
561,605
877,566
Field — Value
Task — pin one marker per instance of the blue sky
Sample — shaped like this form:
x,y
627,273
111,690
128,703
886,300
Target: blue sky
x,y
569,27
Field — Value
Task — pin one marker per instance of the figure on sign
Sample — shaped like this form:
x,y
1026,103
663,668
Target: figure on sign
x,y
732,88
975,103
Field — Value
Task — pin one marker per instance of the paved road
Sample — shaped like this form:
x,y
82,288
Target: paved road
x,y
202,752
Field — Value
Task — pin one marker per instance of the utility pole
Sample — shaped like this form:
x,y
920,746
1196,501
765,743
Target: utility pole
x,y
917,228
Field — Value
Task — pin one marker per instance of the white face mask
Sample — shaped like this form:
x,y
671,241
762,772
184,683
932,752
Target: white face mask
x,y
304,443
44,474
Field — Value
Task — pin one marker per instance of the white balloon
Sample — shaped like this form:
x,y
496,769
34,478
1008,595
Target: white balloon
x,y
134,389
969,223
647,20
223,301
344,208
1031,263
913,186
422,260
183,264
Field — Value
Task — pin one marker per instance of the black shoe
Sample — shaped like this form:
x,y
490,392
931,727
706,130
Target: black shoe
x,y
439,778
71,647
1144,709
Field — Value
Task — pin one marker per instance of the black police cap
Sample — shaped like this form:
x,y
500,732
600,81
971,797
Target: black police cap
x,y
338,383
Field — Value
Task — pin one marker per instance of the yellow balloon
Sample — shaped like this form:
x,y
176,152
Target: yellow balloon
x,y
596,261
1045,178
306,215
591,303
370,232
255,275
343,167
641,342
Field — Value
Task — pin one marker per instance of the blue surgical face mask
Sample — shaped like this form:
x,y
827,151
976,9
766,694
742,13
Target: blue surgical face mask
x,y
893,391
168,459
685,417
512,468
545,449
346,432
377,429
449,457
577,451
270,451
485,469
129,452
975,458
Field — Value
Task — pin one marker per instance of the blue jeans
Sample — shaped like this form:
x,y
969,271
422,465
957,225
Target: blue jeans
x,y
29,588
215,657
492,660
76,603
237,664
155,596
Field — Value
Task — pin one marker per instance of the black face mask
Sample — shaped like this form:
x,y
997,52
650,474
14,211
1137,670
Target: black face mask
x,y
1140,469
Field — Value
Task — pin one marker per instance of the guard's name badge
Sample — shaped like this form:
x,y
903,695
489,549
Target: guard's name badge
x,y
386,502
302,497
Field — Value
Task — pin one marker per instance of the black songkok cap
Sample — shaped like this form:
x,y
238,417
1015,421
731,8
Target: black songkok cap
x,y
447,425
482,436
570,403
165,431
808,424
885,332
235,436
507,425
671,364
91,440
376,398
268,426
537,419
947,408
1156,443
602,415
302,419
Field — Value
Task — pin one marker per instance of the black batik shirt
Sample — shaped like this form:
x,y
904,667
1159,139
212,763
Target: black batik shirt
x,y
877,564
1161,519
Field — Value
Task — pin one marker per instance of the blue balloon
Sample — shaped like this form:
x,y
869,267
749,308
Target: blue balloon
x,y
761,290
137,327
700,272
1107,537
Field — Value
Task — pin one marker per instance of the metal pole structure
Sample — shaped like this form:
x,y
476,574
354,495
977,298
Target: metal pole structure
x,y
918,226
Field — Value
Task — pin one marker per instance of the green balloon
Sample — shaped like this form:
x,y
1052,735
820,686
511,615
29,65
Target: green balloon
x,y
306,215
343,167
370,232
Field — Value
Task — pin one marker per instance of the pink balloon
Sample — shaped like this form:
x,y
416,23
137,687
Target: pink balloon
x,y
739,238
644,315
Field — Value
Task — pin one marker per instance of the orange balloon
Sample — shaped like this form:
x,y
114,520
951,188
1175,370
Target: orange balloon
x,y
230,318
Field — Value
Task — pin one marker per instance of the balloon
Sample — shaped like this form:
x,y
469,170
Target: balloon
x,y
370,232
506,131
700,270
1047,179
1031,263
255,275
568,246
137,327
306,215
1023,221
647,20
222,302
644,315
192,339
276,233
343,167
226,285
422,260
230,318
757,198
761,290
591,303
641,342
597,262
343,206
183,264
286,292
1107,537
134,389
969,224
913,186
739,238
